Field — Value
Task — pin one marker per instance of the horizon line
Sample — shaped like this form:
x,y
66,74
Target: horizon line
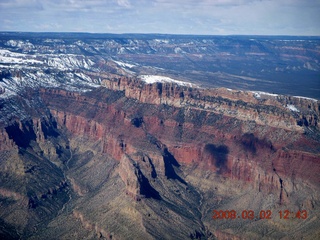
x,y
163,34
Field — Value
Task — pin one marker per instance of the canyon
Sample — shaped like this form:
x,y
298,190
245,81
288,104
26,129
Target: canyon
x,y
110,154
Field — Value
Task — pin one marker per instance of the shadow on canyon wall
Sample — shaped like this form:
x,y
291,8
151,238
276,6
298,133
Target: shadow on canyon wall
x,y
169,162
218,156
251,143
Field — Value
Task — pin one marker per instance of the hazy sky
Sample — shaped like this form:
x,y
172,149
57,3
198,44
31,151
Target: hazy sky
x,y
213,17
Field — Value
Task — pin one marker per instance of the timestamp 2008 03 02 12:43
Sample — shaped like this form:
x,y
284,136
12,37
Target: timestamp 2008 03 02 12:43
x,y
263,214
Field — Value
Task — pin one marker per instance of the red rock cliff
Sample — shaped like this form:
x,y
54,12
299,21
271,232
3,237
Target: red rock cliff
x,y
248,106
231,133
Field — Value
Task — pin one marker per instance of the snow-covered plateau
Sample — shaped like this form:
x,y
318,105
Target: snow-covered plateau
x,y
20,70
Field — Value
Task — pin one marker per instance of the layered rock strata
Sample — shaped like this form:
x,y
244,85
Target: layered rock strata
x,y
137,160
233,133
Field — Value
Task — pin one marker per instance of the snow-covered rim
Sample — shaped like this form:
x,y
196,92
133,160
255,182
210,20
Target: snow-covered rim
x,y
157,78
259,93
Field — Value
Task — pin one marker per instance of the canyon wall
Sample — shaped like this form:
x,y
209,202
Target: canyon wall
x,y
232,133
272,110
151,145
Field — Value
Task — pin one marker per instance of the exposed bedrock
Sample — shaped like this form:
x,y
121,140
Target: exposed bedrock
x,y
208,134
33,186
264,110
137,185
150,153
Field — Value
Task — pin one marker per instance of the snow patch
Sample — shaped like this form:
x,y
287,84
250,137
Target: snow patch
x,y
53,40
156,78
292,108
161,41
259,93
178,50
122,64
67,62
19,44
121,50
84,77
8,57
